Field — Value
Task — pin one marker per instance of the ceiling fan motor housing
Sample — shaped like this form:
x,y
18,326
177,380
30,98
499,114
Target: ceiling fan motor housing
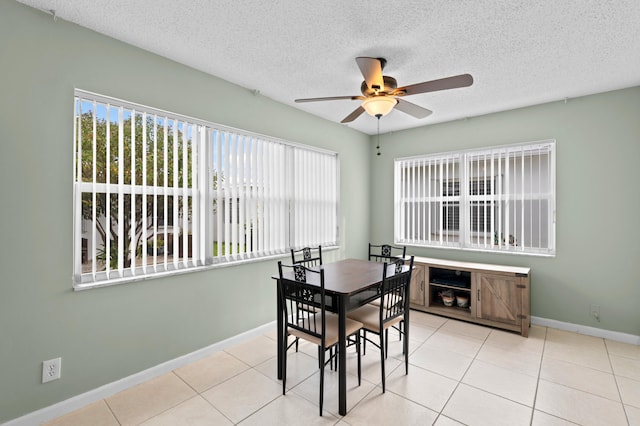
x,y
390,84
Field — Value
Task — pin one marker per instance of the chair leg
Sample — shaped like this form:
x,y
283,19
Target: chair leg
x,y
405,350
333,357
386,343
284,367
321,357
382,359
364,343
358,351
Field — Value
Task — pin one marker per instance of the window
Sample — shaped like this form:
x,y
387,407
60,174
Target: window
x,y
493,199
157,193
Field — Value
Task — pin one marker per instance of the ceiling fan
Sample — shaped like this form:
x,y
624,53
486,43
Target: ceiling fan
x,y
380,93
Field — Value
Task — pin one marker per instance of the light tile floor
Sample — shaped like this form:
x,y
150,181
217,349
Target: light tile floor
x,y
459,373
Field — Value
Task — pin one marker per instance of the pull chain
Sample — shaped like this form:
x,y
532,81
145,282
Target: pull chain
x,y
378,146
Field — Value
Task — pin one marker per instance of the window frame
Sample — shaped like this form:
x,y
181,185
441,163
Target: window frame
x,y
193,181
419,209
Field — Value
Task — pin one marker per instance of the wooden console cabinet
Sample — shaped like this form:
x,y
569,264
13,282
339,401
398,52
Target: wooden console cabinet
x,y
497,295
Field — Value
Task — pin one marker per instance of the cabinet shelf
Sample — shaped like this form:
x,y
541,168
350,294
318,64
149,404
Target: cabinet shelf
x,y
452,287
450,311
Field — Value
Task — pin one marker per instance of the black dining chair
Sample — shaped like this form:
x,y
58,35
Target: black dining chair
x,y
307,256
386,252
393,264
302,287
394,303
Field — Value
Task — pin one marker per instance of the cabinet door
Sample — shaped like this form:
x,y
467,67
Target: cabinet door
x,y
499,298
416,291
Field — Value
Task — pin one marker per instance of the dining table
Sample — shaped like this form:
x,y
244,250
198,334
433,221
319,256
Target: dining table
x,y
349,284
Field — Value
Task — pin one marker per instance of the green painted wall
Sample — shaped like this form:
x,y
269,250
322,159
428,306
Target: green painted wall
x,y
127,328
598,201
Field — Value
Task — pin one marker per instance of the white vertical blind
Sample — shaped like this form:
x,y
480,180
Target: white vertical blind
x,y
314,198
500,198
270,196
77,198
107,198
145,194
120,191
186,205
93,193
174,222
131,247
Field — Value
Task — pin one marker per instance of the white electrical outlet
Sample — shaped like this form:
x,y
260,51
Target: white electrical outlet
x,y
51,370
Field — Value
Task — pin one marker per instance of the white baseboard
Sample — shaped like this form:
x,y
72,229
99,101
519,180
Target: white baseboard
x,y
589,331
63,407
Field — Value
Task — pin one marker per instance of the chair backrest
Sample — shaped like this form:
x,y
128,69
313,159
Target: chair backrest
x,y
307,256
395,292
301,294
386,252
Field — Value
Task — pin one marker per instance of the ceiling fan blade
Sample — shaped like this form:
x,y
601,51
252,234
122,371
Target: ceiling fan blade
x,y
412,109
371,69
355,114
329,98
462,80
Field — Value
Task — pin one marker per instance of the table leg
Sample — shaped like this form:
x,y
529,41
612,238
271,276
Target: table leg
x,y
280,329
342,357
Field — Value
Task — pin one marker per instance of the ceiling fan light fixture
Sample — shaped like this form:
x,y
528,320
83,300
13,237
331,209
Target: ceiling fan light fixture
x,y
379,105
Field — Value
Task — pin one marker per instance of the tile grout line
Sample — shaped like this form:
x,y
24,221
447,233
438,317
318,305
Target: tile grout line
x,y
615,379
111,411
535,394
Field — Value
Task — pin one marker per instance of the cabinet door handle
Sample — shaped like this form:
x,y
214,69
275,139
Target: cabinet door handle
x,y
422,285
478,295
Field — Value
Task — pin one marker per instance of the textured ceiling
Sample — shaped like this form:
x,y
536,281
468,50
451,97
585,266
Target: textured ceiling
x,y
520,53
